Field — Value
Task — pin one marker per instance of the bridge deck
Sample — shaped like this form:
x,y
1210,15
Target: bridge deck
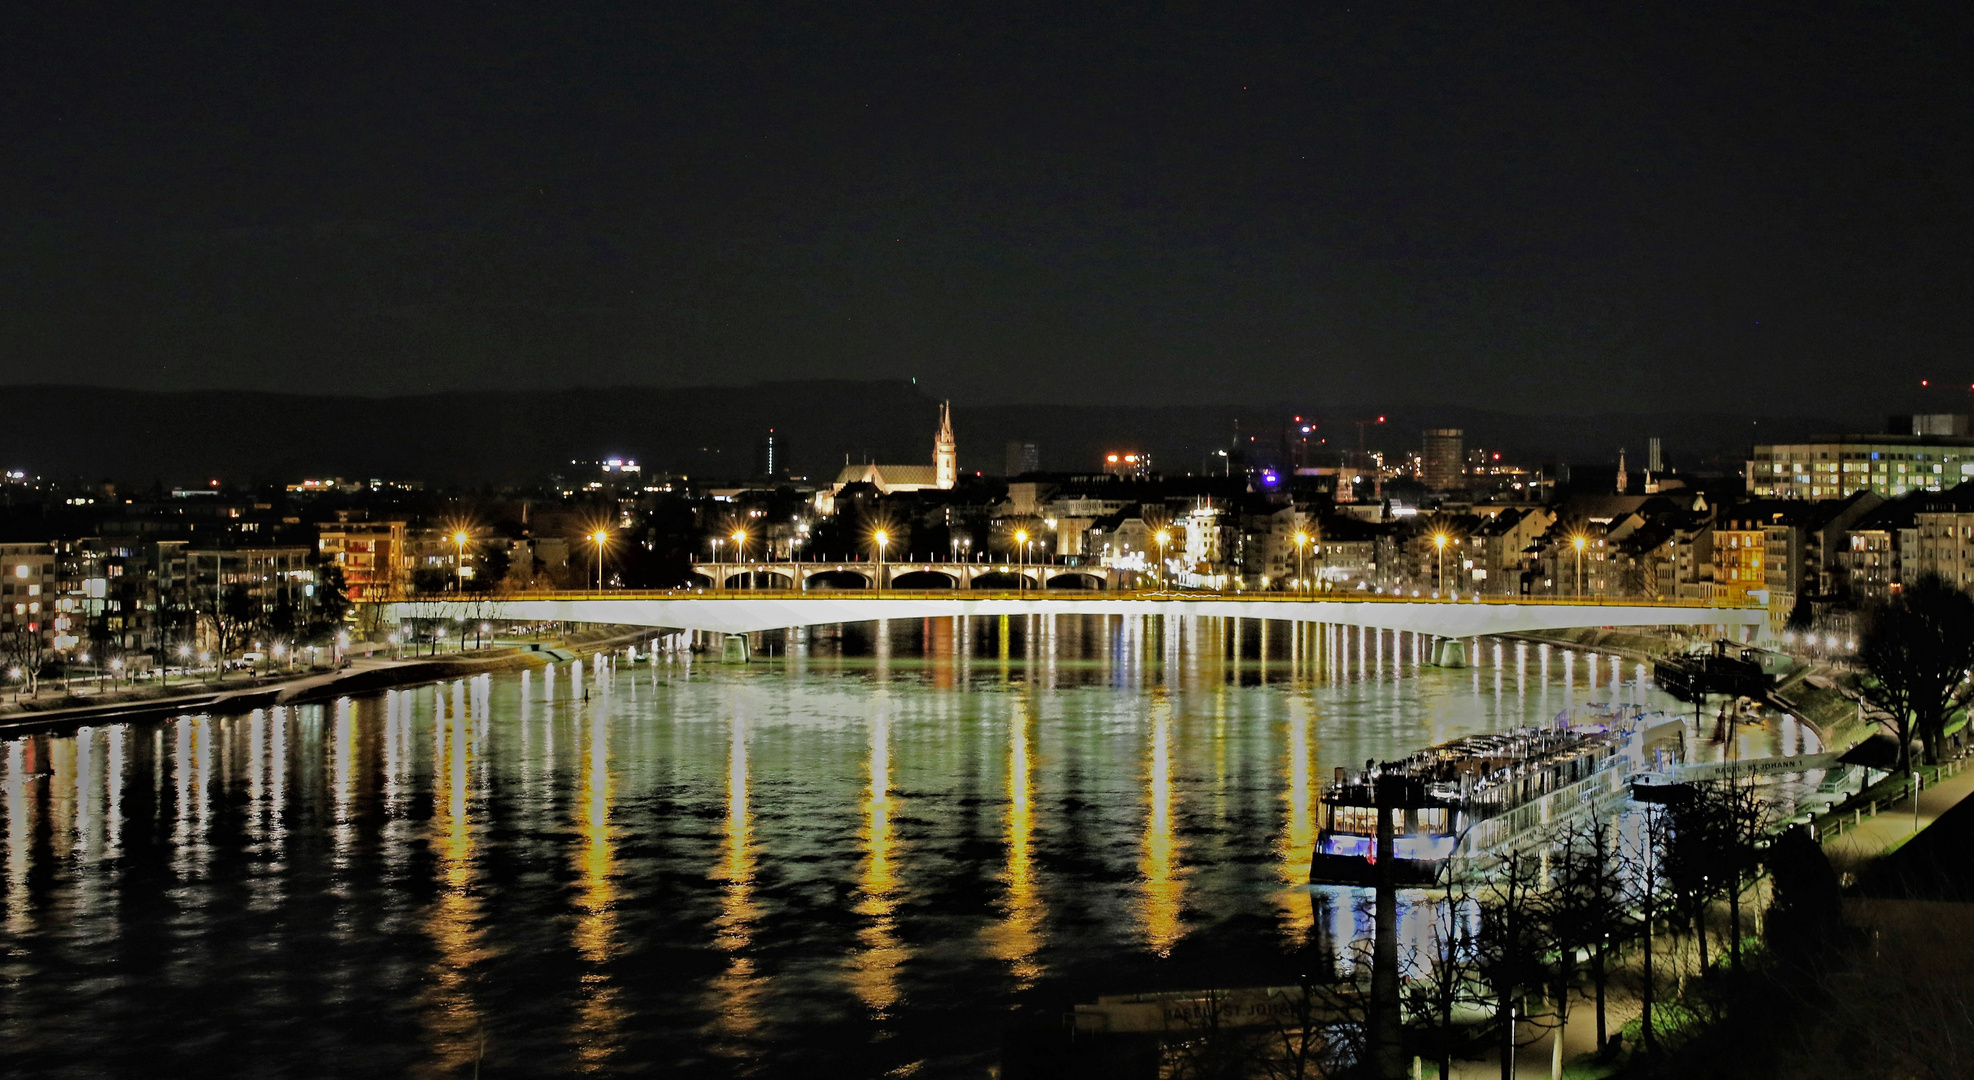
x,y
740,611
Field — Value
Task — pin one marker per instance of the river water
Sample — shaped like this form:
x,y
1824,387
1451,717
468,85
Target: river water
x,y
856,856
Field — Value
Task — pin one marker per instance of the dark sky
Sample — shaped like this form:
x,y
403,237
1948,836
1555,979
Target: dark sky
x,y
1559,207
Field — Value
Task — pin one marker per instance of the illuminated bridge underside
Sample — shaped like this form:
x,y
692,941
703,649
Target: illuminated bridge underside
x,y
741,614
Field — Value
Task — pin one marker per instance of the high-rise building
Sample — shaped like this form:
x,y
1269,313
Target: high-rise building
x,y
1023,458
766,464
1444,459
1655,460
945,450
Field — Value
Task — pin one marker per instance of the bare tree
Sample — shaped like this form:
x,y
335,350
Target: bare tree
x,y
1510,947
1587,911
24,651
1916,651
1448,977
1647,892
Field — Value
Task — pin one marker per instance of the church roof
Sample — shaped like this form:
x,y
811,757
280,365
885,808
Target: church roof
x,y
889,478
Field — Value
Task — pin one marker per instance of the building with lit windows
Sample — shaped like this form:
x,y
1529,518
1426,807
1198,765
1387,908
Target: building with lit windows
x,y
1443,459
1944,527
27,586
373,556
1836,466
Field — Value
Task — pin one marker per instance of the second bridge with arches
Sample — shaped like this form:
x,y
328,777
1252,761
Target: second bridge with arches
x,y
913,576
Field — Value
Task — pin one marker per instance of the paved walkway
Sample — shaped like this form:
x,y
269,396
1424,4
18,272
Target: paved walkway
x,y
1896,823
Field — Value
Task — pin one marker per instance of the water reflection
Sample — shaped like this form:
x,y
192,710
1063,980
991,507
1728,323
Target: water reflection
x,y
455,1034
598,1015
19,836
1298,841
1017,937
1163,889
874,970
736,992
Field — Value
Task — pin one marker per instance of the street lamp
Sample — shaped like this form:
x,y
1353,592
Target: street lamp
x,y
1439,541
597,539
1301,567
1021,543
739,546
459,540
1579,542
882,539
1163,537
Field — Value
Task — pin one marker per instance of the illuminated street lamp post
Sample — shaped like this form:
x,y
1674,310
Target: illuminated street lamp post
x,y
1301,565
740,548
1163,537
719,579
459,569
1439,541
597,539
1579,543
1021,544
882,539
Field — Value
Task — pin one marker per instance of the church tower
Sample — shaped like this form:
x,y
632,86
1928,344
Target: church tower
x,y
1624,479
945,452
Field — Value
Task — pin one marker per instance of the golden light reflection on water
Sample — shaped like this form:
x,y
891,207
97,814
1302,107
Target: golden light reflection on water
x,y
1298,842
1162,892
874,971
599,1015
454,1032
1018,936
736,992
20,834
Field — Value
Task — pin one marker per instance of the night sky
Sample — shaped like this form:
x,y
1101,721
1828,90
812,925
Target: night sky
x,y
1559,207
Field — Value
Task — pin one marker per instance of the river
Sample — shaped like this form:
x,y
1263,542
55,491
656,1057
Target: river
x,y
856,856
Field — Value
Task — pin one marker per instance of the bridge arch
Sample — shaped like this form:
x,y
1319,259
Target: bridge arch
x,y
837,579
922,579
1002,580
761,579
1075,579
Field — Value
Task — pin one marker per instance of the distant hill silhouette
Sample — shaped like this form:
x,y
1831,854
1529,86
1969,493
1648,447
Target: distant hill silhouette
x,y
515,436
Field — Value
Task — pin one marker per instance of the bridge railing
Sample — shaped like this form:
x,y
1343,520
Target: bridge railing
x,y
1042,594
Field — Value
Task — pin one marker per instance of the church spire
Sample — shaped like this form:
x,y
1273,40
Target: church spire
x,y
945,450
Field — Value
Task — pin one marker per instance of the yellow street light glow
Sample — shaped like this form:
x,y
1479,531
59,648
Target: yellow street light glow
x,y
599,537
1439,540
881,537
1579,542
740,536
1021,536
459,538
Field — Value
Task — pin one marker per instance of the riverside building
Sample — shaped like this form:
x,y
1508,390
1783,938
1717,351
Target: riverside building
x,y
1840,465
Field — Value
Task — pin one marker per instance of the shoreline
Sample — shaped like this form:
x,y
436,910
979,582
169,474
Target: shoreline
x,y
357,678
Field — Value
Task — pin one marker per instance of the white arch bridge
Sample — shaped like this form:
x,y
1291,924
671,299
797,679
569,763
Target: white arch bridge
x,y
747,612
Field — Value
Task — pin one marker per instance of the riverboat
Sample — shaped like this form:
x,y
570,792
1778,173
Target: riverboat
x,y
1465,798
